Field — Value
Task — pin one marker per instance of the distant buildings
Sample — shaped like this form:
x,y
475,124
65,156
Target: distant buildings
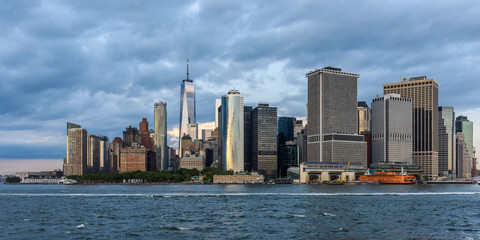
x,y
93,154
264,140
232,123
447,165
332,117
160,137
465,126
136,158
76,161
392,129
247,139
105,164
424,95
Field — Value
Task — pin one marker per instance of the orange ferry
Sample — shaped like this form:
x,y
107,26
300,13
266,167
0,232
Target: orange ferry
x,y
388,178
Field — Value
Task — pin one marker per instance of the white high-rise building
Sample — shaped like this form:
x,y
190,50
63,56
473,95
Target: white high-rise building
x,y
232,131
392,129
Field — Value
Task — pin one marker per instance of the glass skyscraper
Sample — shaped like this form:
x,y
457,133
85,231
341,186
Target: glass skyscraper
x,y
187,108
232,131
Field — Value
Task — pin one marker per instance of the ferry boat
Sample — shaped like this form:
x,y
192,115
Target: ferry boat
x,y
388,178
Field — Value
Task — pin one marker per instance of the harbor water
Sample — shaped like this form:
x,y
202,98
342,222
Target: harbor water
x,y
239,211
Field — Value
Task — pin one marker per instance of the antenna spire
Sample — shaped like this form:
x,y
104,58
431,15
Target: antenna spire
x,y
187,68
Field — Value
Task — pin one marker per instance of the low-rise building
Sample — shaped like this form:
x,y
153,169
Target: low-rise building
x,y
240,178
192,162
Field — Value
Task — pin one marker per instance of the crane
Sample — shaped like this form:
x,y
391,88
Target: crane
x,y
346,170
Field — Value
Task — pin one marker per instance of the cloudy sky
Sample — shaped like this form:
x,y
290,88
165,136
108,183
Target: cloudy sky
x,y
103,64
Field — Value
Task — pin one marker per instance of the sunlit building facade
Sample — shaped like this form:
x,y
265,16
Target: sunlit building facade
x,y
76,161
447,165
233,131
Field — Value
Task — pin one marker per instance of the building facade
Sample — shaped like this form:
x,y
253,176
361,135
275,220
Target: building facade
x,y
463,125
160,136
287,157
464,163
285,131
145,139
364,117
424,95
232,123
447,164
93,154
392,129
247,138
332,117
76,161
264,140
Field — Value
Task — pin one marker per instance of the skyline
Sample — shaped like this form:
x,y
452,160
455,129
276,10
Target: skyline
x,y
106,75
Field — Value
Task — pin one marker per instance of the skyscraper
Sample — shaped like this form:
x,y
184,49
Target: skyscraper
x,y
392,129
247,128
187,107
424,95
332,117
465,126
160,136
264,140
447,164
232,122
105,163
464,163
364,117
285,129
76,161
93,154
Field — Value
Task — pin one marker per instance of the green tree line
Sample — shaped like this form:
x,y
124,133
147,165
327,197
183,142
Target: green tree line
x,y
181,175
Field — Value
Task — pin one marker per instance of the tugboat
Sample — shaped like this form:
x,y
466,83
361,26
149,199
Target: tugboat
x,y
389,178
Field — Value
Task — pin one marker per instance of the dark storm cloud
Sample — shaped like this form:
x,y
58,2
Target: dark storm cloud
x,y
103,64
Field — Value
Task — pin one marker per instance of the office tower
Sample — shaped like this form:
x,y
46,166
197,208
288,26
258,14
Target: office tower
x,y
392,129
287,157
367,137
285,131
93,154
116,145
424,95
160,141
105,164
364,117
447,163
76,161
206,134
187,107
465,126
232,123
332,117
131,137
464,163
264,140
192,129
218,103
247,147
145,139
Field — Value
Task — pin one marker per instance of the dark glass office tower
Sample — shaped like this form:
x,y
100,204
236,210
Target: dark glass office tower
x,y
247,117
286,127
264,135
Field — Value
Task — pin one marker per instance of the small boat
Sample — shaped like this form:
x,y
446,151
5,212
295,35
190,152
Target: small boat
x,y
67,181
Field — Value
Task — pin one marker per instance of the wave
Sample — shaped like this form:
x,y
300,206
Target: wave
x,y
168,195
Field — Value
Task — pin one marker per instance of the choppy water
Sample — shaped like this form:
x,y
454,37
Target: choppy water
x,y
239,211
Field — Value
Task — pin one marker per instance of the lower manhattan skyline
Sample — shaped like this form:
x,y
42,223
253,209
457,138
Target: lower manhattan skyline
x,y
104,65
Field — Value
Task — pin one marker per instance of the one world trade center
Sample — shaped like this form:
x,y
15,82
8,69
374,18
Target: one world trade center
x,y
188,124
